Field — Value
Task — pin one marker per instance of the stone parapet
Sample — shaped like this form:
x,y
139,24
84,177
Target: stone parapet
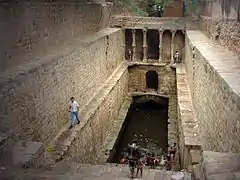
x,y
166,23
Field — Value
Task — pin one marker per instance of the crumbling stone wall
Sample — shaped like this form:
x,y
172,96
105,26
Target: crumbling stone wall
x,y
34,98
219,26
30,30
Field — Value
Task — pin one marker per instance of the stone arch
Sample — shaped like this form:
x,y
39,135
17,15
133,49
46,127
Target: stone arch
x,y
152,80
167,36
179,43
128,43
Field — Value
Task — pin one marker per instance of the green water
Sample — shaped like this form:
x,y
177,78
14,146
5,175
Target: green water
x,y
147,123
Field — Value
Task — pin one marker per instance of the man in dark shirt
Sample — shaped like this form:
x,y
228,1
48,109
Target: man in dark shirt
x,y
133,153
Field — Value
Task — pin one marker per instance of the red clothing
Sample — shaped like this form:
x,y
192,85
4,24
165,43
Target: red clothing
x,y
123,161
139,164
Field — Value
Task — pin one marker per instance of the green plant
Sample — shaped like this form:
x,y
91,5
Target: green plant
x,y
134,8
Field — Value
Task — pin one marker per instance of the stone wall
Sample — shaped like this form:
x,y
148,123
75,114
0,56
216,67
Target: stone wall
x,y
166,88
30,30
167,23
212,77
89,141
34,97
220,26
137,78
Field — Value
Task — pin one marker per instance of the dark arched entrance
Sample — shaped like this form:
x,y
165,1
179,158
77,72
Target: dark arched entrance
x,y
152,80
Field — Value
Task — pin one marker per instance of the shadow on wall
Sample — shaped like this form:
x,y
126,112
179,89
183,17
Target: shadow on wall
x,y
37,28
179,43
167,36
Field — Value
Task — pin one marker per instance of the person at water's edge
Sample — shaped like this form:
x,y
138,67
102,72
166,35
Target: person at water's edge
x,y
73,109
133,153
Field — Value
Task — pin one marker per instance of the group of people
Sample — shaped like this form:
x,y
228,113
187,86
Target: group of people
x,y
133,158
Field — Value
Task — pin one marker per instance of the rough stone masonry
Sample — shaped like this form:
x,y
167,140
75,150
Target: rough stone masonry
x,y
34,93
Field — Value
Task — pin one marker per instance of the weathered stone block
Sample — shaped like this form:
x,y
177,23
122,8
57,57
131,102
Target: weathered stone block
x,y
196,156
25,152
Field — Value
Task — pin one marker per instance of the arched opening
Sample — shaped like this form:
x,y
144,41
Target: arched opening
x,y
152,80
128,43
153,44
167,37
179,43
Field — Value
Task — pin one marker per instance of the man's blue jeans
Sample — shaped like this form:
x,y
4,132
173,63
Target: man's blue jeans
x,y
73,115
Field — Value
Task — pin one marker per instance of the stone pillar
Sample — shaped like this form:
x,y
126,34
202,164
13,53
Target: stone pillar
x,y
160,44
134,44
172,44
144,45
124,45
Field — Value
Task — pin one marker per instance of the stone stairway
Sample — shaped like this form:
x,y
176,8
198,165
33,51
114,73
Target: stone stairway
x,y
86,172
64,139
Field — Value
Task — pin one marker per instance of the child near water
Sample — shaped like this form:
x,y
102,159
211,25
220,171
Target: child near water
x,y
139,166
169,162
173,150
123,161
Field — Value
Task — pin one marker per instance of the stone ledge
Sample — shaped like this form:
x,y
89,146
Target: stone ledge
x,y
188,120
190,148
135,63
220,60
65,138
30,67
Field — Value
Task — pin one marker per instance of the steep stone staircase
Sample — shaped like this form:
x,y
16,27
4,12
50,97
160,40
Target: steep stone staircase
x,y
86,172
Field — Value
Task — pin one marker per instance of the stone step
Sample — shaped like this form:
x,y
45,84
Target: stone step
x,y
89,172
218,165
64,139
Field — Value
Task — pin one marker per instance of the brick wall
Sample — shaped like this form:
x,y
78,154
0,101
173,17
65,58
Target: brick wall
x,y
34,97
216,104
30,30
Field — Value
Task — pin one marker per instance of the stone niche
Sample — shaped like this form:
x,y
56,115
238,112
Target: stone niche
x,y
138,79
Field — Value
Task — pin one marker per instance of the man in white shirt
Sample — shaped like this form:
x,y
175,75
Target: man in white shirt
x,y
73,109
